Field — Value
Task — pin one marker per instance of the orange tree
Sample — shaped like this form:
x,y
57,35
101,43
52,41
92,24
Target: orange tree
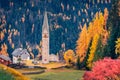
x,y
69,56
82,43
117,50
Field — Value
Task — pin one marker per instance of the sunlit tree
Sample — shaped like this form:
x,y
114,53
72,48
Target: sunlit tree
x,y
69,56
82,43
114,27
92,50
117,46
4,50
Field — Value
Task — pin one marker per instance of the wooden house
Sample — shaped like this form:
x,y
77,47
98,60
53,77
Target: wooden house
x,y
5,60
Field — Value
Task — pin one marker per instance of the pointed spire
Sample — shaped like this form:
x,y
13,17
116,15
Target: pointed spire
x,y
45,22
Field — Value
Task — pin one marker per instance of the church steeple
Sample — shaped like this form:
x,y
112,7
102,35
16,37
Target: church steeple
x,y
45,23
45,40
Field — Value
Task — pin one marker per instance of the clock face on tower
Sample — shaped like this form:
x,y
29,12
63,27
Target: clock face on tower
x,y
45,36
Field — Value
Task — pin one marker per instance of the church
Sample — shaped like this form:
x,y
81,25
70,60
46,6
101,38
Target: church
x,y
46,56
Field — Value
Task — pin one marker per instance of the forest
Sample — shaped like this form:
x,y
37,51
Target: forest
x,y
85,33
21,22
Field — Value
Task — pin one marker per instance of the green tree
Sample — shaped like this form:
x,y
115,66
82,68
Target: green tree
x,y
99,50
114,27
19,60
87,56
92,50
78,63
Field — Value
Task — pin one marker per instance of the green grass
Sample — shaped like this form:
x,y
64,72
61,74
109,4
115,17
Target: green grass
x,y
72,75
5,75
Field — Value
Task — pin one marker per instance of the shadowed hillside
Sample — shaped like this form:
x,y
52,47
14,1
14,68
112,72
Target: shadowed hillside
x,y
21,22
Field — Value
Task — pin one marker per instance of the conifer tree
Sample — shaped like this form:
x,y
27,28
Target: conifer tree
x,y
114,27
78,63
87,56
82,43
99,51
99,34
92,50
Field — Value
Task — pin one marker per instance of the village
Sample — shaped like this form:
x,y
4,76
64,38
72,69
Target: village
x,y
21,57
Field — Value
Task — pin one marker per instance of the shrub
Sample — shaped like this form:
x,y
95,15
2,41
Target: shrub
x,y
69,57
106,69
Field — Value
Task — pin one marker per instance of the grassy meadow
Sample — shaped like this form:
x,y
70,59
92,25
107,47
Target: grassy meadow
x,y
7,73
58,75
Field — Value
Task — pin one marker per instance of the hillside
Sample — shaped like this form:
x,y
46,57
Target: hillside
x,y
21,22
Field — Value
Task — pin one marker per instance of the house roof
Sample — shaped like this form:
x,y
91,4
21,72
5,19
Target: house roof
x,y
25,51
19,51
5,57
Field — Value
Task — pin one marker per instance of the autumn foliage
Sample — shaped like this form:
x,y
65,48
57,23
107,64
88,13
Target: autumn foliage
x,y
106,69
92,50
2,35
69,56
82,43
96,31
117,50
3,50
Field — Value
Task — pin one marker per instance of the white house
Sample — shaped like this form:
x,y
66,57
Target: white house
x,y
20,54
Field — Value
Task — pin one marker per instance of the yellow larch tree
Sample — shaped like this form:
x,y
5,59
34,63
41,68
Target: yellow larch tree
x,y
4,49
105,33
106,13
92,50
82,43
96,30
90,30
117,46
98,26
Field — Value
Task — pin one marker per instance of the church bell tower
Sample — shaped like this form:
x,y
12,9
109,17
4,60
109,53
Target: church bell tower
x,y
45,40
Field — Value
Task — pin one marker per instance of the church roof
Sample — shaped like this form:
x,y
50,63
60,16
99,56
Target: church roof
x,y
45,23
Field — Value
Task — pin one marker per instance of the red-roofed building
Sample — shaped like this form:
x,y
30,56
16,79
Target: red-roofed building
x,y
5,60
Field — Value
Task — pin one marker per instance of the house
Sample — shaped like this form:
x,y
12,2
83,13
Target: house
x,y
20,55
5,60
53,58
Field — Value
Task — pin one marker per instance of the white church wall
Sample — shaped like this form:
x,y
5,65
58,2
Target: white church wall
x,y
53,58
